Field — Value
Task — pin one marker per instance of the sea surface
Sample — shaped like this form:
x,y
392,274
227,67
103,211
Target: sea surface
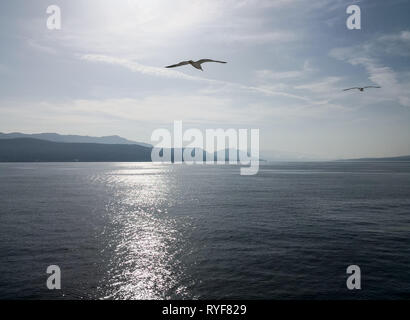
x,y
150,231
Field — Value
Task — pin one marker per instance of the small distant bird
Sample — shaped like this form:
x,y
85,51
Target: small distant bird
x,y
361,88
195,64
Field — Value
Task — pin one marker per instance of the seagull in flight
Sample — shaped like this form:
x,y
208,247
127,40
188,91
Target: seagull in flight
x,y
195,64
361,89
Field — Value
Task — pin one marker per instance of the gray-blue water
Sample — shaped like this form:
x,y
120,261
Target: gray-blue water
x,y
144,231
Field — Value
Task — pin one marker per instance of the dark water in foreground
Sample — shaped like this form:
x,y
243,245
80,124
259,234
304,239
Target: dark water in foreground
x,y
144,231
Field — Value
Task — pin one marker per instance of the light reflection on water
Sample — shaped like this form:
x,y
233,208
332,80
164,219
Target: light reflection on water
x,y
143,263
143,231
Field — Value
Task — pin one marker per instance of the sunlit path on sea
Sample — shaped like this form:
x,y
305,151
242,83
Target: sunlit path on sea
x,y
144,231
144,241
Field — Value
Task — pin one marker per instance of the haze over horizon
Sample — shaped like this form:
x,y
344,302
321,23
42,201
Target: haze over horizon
x,y
103,73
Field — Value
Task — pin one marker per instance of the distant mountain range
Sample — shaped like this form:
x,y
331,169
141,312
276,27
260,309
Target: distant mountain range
x,y
400,158
53,147
55,137
36,150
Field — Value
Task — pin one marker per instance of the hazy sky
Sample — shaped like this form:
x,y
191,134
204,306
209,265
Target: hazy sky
x,y
288,61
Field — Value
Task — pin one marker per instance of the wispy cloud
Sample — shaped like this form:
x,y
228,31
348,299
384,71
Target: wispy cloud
x,y
41,48
326,85
401,36
392,88
139,28
268,74
162,72
258,37
137,67
393,44
318,91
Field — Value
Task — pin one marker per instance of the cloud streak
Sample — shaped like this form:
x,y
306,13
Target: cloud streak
x,y
392,88
165,73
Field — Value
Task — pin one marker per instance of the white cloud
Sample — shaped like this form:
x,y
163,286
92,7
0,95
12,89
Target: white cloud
x,y
392,88
258,38
392,44
326,85
401,36
263,3
315,91
39,47
150,110
267,74
137,67
165,109
162,72
141,29
193,108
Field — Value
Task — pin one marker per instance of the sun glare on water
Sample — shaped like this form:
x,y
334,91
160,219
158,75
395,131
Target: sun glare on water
x,y
141,235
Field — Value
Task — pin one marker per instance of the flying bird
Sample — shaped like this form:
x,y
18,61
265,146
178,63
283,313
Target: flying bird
x,y
361,89
195,64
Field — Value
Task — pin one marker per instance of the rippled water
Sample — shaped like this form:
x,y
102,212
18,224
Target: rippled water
x,y
145,231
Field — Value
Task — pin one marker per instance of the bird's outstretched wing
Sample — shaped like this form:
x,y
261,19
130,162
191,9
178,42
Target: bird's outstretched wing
x,y
209,60
178,64
372,87
351,88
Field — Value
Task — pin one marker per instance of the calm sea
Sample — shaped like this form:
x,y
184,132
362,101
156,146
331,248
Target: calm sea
x,y
144,231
